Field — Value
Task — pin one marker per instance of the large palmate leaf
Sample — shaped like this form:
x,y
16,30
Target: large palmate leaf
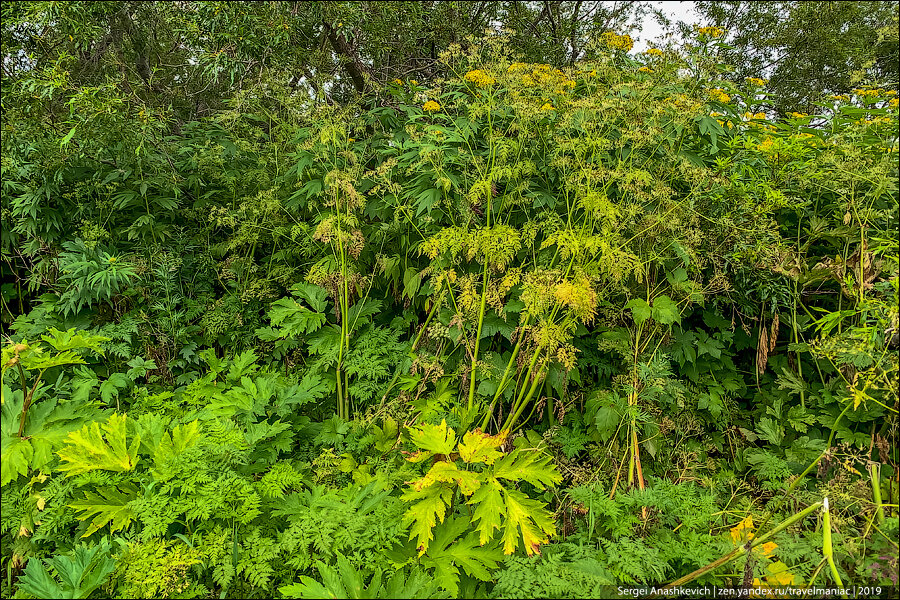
x,y
428,509
529,465
432,439
46,425
450,552
489,509
494,506
346,582
80,573
108,506
97,446
530,517
480,447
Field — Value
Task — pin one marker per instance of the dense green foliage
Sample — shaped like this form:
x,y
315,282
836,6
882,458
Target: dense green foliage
x,y
524,320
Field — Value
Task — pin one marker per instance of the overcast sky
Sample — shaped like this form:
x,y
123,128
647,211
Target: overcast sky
x,y
677,11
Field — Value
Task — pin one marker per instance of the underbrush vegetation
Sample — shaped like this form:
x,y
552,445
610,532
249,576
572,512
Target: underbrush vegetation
x,y
521,332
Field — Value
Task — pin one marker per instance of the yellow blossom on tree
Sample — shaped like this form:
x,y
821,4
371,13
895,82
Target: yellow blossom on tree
x,y
617,42
719,95
713,32
479,78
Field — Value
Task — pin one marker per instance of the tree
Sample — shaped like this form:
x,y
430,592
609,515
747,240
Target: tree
x,y
808,49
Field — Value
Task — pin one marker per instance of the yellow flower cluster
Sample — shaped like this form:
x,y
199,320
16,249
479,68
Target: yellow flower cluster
x,y
543,76
645,70
767,146
547,106
713,32
431,106
748,115
719,95
868,93
797,115
479,78
757,81
653,52
841,98
579,296
617,42
398,82
892,103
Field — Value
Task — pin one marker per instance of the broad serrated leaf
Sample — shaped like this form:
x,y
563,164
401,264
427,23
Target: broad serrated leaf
x,y
447,472
446,557
428,509
74,340
293,318
81,572
111,387
528,517
432,439
531,465
316,296
42,362
15,458
108,506
87,449
489,509
477,446
640,310
665,311
172,444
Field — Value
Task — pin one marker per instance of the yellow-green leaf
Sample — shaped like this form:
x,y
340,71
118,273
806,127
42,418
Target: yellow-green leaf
x,y
87,449
433,439
489,509
477,446
443,471
429,509
108,506
529,465
529,517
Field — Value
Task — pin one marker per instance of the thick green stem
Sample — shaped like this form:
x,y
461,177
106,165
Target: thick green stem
x,y
506,373
827,549
484,281
875,476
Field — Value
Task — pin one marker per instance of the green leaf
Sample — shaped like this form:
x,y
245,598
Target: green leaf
x,y
74,340
432,439
665,311
108,506
477,446
428,509
86,450
531,465
15,457
81,572
770,430
527,517
68,137
111,387
173,444
640,310
489,509
447,557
